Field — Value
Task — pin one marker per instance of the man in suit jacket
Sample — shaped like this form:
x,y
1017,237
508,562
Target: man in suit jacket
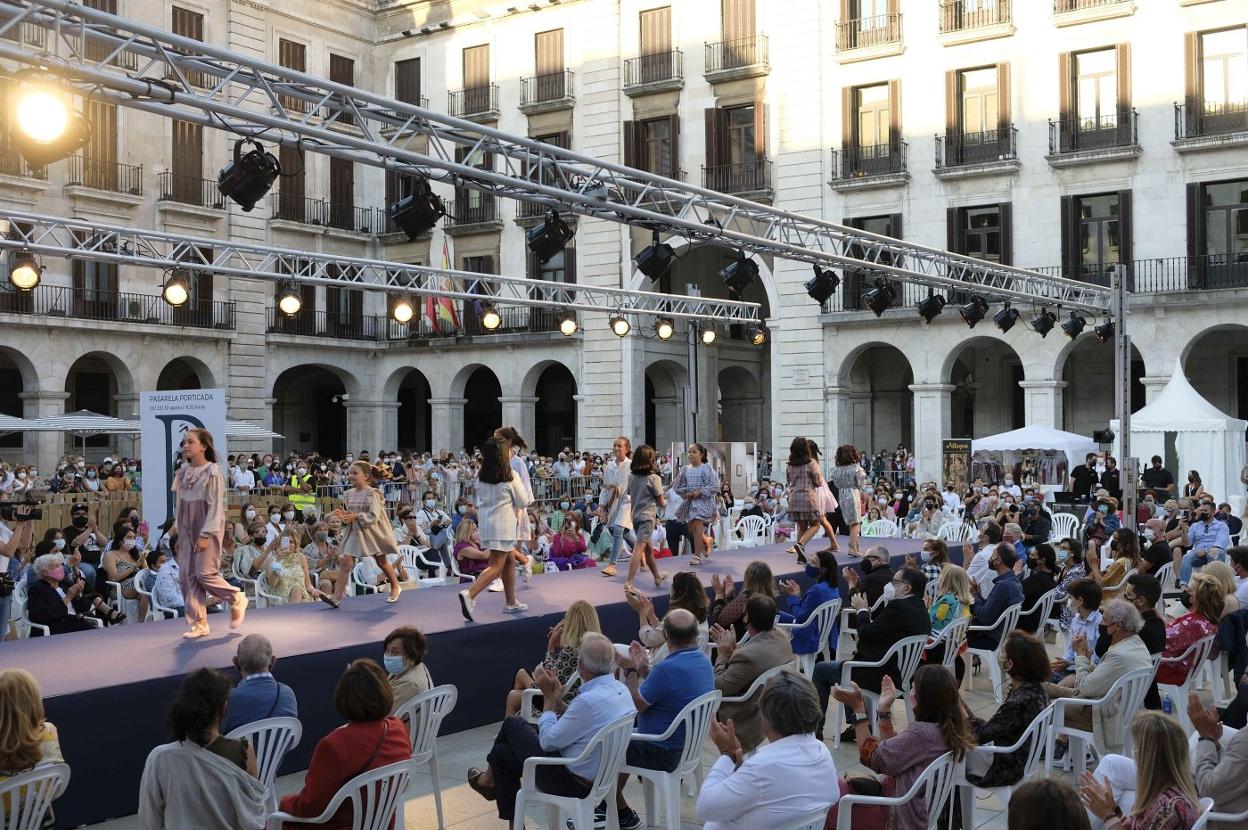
x,y
258,695
737,666
904,616
47,603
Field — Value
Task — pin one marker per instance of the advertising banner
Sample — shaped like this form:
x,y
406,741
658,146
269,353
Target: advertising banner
x,y
955,462
164,418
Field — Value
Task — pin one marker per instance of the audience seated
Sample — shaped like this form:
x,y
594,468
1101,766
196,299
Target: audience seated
x,y
1219,760
1042,564
404,662
469,556
285,569
27,741
563,650
562,730
202,779
167,587
1225,577
1026,664
952,602
824,589
1208,538
258,694
123,560
1143,591
1006,591
738,665
934,558
567,549
686,592
990,535
1124,548
728,607
51,604
876,579
1046,804
1085,600
322,556
371,738
785,779
1207,601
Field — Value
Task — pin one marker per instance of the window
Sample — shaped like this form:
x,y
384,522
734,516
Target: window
x,y
407,81
95,288
853,282
344,308
656,31
872,107
342,71
189,24
470,312
290,202
472,205
982,232
188,162
1217,231
658,137
1095,99
294,56
476,66
99,154
977,122
738,18
1096,87
979,105
1096,233
1224,70
736,149
741,135
342,194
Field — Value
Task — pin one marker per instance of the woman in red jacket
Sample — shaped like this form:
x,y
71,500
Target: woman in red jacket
x,y
370,739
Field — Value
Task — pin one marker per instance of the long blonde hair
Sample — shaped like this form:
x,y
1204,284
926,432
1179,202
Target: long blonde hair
x,y
1208,598
954,580
1225,577
464,532
1159,737
581,619
21,720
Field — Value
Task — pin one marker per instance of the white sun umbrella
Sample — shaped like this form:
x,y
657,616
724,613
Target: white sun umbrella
x,y
84,424
244,429
10,423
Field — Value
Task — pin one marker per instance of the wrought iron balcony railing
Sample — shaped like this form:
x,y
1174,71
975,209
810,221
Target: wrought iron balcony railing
x,y
106,175
745,177
190,190
1074,135
959,148
871,160
653,69
1210,118
861,32
964,15
737,54
543,89
475,100
50,302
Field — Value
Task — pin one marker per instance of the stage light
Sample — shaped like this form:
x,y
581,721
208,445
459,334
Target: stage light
x,y
974,311
620,326
739,274
708,335
548,238
24,271
1044,322
1074,326
1006,317
756,334
664,328
879,299
822,285
931,306
655,260
402,310
490,318
1105,331
567,323
249,175
417,212
177,287
45,126
290,301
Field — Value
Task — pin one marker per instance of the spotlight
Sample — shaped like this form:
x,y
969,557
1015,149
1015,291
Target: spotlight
x,y
417,212
931,306
1044,322
567,323
177,288
24,271
1074,326
490,318
822,285
974,311
401,310
548,238
756,334
250,175
708,335
655,260
1006,317
290,300
878,299
664,328
620,326
1105,331
739,274
45,127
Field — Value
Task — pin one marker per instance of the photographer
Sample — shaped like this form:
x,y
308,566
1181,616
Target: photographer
x,y
12,543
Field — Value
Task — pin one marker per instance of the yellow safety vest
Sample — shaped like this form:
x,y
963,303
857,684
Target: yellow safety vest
x,y
301,500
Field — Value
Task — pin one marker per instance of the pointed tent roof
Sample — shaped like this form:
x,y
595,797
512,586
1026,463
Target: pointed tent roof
x,y
1179,408
1035,438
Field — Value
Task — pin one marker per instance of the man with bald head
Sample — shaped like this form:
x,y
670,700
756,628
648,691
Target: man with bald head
x,y
258,695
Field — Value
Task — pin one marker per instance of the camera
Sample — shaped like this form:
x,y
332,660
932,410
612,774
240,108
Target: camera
x,y
8,511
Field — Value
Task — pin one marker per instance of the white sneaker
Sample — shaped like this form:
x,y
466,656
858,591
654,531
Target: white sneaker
x,y
624,556
495,586
526,570
515,609
466,604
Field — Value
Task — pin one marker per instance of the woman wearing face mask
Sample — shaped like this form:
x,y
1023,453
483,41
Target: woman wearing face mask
x,y
246,517
933,558
23,484
568,549
1071,568
404,662
1124,547
555,519
51,604
276,525
1042,562
322,558
123,561
91,481
116,482
825,588
286,573
1025,662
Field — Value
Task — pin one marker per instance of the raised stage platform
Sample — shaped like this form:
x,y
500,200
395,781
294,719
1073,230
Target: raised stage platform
x,y
107,690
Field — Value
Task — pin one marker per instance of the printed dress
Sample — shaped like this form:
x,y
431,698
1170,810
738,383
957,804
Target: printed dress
x,y
804,483
849,479
704,479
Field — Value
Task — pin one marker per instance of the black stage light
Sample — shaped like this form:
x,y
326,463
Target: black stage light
x,y
822,285
739,274
879,299
548,238
756,333
249,175
931,306
1006,317
417,212
655,260
24,271
1044,322
708,335
1105,331
43,123
974,311
1074,326
620,326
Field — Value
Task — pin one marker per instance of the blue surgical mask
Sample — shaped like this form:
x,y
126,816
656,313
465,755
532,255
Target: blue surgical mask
x,y
1062,555
926,556
393,663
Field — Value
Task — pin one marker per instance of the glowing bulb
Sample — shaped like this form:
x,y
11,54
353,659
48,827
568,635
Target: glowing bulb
x,y
25,272
290,302
568,325
42,115
664,328
708,336
490,318
620,326
403,311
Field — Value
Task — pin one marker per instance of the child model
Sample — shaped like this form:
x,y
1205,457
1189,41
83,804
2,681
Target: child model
x,y
521,472
501,500
368,532
697,483
645,494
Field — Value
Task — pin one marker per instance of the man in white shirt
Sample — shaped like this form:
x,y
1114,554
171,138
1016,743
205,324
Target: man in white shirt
x,y
168,587
952,500
790,776
990,535
562,469
242,479
1239,564
617,509
1008,486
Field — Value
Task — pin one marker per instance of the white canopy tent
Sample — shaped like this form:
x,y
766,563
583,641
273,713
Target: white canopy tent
x,y
1189,433
1074,445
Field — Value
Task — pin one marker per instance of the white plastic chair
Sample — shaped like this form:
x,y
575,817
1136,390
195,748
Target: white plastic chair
x,y
1223,819
935,785
1063,526
1207,815
811,821
609,746
155,611
118,600
529,695
249,584
271,738
695,719
752,530
358,585
1044,605
952,636
1006,623
1126,695
908,651
1198,652
759,683
848,635
28,796
425,714
1033,737
18,614
265,598
881,528
414,561
1169,580
824,617
375,796
955,531
1123,584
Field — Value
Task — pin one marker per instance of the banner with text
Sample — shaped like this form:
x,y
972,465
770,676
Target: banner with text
x,y
164,418
955,462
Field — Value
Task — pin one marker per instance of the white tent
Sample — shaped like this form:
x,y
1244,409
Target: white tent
x,y
243,429
1199,437
1074,445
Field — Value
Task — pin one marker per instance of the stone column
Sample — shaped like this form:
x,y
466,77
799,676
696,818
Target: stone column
x,y
708,394
579,401
932,417
128,410
1042,403
835,414
520,411
1153,384
43,448
371,425
448,423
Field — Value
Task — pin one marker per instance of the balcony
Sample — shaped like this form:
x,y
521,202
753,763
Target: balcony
x,y
963,21
1076,141
730,60
190,190
962,155
288,207
106,177
660,72
475,103
351,218
28,32
1210,125
864,38
472,213
546,93
1073,12
747,179
870,167
12,164
49,302
380,328
1164,275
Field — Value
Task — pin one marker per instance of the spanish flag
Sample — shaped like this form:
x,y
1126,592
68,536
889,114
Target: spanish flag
x,y
440,310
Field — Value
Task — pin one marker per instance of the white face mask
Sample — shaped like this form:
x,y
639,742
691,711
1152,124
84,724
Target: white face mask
x,y
431,503
127,544
275,518
288,515
249,514
59,544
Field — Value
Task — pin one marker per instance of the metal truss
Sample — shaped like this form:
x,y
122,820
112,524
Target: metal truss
x,y
197,82
84,239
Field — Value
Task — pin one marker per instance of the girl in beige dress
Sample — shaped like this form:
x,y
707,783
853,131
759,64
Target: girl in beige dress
x,y
368,531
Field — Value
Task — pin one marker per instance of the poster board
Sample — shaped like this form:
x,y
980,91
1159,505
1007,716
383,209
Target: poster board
x,y
955,462
164,418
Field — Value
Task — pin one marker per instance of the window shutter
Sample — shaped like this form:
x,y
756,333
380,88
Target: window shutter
x,y
188,152
738,19
1069,235
407,81
656,31
1003,98
848,121
714,138
342,71
1192,91
292,179
1195,236
953,120
632,143
1006,214
674,129
548,48
1063,88
476,66
894,113
1123,51
953,231
342,182
1124,226
760,131
569,264
895,231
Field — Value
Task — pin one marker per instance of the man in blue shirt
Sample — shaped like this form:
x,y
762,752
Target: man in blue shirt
x,y
1208,538
660,693
1007,590
258,695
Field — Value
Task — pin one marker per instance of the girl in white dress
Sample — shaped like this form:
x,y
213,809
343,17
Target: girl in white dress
x,y
501,501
